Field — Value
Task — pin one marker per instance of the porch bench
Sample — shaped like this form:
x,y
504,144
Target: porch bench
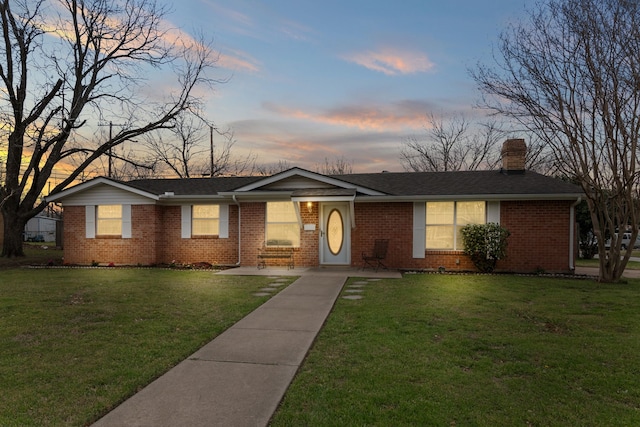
x,y
275,252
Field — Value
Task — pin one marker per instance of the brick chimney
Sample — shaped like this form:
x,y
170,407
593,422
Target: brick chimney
x,y
513,155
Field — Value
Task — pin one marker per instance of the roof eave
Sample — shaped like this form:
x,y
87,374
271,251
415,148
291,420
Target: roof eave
x,y
491,197
167,199
98,181
257,195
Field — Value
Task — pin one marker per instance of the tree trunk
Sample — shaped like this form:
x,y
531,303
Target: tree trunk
x,y
611,266
13,229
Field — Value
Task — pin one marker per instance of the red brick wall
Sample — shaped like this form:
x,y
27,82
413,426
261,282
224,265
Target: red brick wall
x,y
156,238
252,219
253,232
539,237
393,221
209,249
139,249
309,252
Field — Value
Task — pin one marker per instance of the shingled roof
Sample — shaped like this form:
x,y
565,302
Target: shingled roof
x,y
462,183
465,183
192,186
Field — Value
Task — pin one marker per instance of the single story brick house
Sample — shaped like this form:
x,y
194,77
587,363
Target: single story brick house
x,y
326,220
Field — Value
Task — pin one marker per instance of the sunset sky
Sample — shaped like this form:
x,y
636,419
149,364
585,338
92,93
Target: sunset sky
x,y
347,79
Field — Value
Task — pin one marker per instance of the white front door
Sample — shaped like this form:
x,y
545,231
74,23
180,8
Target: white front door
x,y
335,234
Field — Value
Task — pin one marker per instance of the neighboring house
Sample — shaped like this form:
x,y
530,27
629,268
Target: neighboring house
x,y
41,228
327,220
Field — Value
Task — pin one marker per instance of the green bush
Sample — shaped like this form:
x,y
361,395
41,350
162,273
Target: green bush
x,y
485,244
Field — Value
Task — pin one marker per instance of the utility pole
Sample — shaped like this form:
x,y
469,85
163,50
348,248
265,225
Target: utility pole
x,y
211,149
110,133
110,152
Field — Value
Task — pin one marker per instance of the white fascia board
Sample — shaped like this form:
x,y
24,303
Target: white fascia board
x,y
506,197
257,195
202,199
303,199
310,175
98,181
194,200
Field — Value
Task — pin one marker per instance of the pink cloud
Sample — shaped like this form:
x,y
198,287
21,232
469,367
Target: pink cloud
x,y
392,61
370,117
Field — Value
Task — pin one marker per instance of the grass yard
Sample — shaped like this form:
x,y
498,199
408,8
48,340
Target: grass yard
x,y
474,350
35,254
595,263
76,342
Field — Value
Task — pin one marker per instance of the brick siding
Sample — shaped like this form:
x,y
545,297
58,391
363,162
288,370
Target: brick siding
x,y
539,238
139,249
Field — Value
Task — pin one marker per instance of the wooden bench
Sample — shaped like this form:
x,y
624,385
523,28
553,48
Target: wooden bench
x,y
275,252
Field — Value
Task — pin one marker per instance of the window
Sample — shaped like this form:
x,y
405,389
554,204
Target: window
x,y
282,227
205,220
445,219
109,220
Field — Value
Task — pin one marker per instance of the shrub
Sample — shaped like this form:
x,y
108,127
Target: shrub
x,y
485,244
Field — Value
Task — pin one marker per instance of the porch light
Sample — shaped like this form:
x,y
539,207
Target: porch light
x,y
309,207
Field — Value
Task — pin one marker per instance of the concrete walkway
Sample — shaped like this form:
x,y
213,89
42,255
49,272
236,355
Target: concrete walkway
x,y
239,378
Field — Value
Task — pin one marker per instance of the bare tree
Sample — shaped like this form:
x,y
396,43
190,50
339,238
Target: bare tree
x,y
339,166
65,61
180,150
570,74
269,169
452,145
194,148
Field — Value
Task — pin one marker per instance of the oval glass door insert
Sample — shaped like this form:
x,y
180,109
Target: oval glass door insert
x,y
335,232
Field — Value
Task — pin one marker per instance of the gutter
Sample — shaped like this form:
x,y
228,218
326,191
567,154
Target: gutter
x,y
572,233
457,197
239,230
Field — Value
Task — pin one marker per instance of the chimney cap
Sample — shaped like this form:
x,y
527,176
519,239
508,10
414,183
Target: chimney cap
x,y
515,144
514,153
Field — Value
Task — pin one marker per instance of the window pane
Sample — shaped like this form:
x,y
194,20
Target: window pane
x,y
439,213
282,227
109,220
205,227
283,235
205,220
440,225
109,227
470,213
281,212
440,237
206,211
110,211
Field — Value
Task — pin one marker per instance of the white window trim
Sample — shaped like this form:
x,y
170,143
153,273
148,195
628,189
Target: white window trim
x,y
223,221
419,229
492,215
90,221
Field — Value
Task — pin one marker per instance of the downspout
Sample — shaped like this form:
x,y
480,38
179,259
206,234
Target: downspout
x,y
572,233
239,231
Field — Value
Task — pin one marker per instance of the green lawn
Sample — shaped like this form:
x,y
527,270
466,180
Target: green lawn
x,y
631,265
423,350
76,342
474,350
36,254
